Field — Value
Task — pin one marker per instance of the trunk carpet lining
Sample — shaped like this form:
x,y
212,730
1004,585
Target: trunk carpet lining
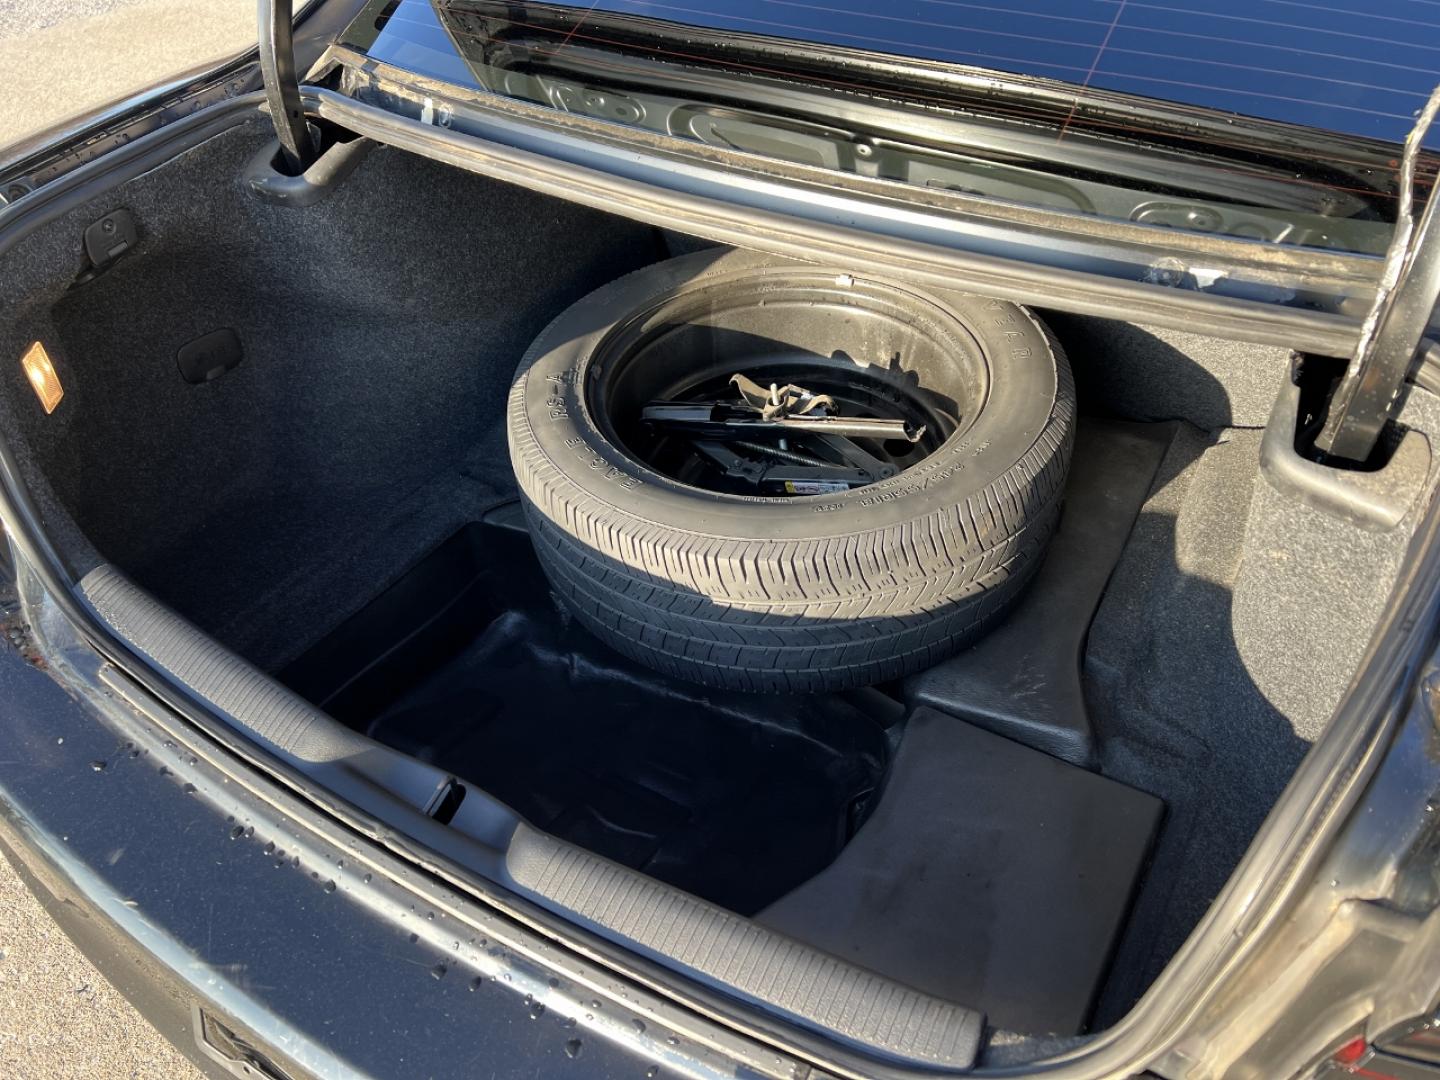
x,y
380,329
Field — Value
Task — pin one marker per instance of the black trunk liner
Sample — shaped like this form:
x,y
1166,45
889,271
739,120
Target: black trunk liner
x,y
989,873
467,663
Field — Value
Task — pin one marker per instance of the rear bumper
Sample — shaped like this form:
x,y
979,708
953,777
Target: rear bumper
x,y
211,907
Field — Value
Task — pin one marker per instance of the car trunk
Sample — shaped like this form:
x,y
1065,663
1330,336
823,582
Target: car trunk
x,y
1031,828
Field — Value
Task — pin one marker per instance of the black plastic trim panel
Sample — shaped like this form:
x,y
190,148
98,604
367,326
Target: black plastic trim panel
x,y
1375,501
395,786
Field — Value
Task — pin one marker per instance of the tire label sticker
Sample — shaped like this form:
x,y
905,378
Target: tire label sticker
x,y
917,479
815,487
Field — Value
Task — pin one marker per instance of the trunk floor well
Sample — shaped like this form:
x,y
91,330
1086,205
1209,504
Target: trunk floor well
x,y
735,798
757,801
1173,703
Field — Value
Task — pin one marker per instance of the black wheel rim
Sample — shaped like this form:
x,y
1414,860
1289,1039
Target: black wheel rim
x,y
879,352
856,394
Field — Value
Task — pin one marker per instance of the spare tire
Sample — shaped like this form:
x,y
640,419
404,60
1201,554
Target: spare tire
x,y
702,576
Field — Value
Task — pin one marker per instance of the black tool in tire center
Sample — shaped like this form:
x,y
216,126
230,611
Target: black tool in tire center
x,y
827,457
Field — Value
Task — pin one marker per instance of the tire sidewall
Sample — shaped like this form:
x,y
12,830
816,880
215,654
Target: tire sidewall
x,y
550,411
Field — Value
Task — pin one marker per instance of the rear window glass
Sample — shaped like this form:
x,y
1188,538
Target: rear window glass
x,y
1364,69
1063,133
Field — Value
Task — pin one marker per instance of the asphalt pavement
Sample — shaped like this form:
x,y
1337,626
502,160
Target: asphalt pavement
x,y
62,58
59,1018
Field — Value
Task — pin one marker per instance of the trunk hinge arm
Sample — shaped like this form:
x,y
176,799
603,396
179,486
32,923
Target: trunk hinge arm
x,y
282,84
1394,331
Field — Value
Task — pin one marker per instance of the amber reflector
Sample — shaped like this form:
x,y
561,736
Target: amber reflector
x,y
41,374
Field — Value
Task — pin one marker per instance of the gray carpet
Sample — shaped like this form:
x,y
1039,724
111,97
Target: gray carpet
x,y
1175,711
1229,630
972,841
1153,373
380,328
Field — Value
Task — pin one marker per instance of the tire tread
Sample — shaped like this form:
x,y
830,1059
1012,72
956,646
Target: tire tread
x,y
843,611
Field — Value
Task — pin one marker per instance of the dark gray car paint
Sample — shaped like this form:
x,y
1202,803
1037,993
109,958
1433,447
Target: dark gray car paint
x,y
190,889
